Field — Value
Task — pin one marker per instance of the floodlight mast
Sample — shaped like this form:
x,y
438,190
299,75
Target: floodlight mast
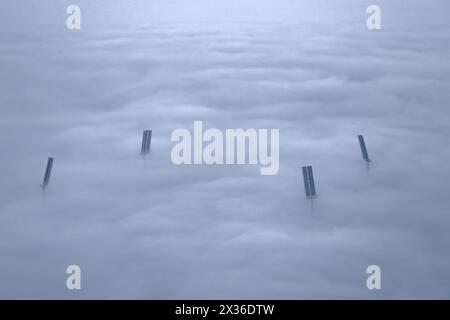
x,y
146,142
48,172
308,182
362,144
364,153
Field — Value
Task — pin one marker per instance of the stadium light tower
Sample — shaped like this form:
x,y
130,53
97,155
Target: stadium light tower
x,y
308,181
365,155
146,141
48,172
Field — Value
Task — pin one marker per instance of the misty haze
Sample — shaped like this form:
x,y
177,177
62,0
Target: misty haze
x,y
142,227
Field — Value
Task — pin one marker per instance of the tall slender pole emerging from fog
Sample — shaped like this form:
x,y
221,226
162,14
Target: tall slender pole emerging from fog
x,y
308,181
146,141
48,172
365,155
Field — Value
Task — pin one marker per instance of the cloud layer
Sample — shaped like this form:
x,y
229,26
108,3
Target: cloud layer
x,y
149,229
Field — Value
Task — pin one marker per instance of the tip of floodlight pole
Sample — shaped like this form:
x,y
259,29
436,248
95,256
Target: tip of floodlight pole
x,y
43,191
368,161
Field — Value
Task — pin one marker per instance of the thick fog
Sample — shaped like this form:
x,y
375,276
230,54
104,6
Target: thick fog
x,y
142,227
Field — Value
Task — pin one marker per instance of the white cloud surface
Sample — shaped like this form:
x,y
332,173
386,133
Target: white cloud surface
x,y
149,229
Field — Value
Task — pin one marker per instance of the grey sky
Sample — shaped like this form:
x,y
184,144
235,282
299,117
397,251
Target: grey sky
x,y
150,229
